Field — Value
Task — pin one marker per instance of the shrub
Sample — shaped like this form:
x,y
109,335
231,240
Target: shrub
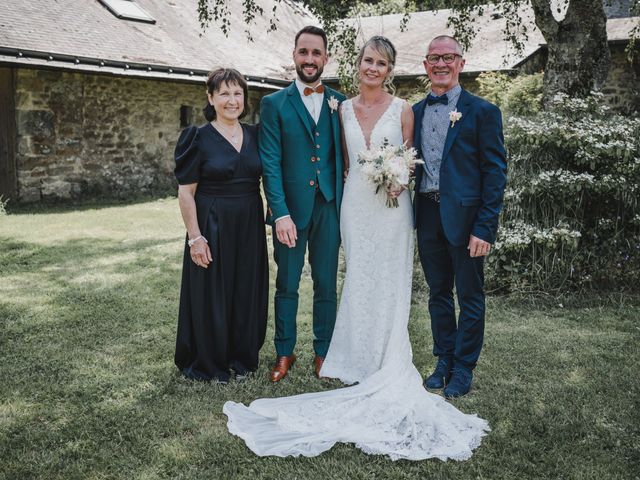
x,y
521,95
524,97
571,218
493,86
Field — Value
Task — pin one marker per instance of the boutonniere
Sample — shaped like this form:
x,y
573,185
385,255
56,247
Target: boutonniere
x,y
333,103
454,116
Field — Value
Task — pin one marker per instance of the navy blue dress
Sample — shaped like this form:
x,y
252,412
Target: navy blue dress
x,y
223,308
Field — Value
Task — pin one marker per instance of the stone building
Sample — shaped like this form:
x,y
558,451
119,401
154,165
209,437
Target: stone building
x,y
91,103
92,99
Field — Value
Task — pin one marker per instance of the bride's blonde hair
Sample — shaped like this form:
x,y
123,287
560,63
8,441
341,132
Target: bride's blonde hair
x,y
384,47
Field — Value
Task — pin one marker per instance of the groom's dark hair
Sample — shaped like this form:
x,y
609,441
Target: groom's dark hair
x,y
313,31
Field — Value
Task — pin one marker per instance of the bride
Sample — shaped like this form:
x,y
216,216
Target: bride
x,y
388,411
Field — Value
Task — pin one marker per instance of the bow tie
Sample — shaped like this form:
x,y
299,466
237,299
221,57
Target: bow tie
x,y
432,99
308,90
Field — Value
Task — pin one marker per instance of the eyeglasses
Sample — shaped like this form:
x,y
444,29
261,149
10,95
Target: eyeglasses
x,y
447,58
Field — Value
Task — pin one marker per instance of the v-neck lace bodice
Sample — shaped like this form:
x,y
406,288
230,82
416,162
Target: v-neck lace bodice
x,y
367,142
388,126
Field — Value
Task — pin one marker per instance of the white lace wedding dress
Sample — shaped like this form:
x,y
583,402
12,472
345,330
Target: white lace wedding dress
x,y
388,411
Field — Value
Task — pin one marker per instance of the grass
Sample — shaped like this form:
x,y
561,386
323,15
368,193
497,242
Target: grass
x,y
88,390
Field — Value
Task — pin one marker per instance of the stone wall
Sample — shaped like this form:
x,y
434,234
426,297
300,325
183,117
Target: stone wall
x,y
85,135
622,89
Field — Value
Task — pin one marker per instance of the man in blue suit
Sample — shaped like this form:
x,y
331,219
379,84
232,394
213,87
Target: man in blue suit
x,y
459,192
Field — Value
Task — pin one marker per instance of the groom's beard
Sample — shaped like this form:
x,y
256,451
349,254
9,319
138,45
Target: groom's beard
x,y
306,78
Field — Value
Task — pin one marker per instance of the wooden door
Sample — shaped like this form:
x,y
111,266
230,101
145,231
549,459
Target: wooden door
x,y
8,174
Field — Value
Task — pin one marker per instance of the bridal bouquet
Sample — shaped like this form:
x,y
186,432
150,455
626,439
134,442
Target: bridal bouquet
x,y
389,167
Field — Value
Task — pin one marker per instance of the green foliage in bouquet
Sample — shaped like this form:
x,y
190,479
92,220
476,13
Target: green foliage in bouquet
x,y
571,217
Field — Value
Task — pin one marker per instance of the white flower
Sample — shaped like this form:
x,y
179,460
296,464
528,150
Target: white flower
x,y
388,168
333,103
454,116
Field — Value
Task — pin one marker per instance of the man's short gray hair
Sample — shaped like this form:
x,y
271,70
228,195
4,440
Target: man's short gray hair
x,y
439,38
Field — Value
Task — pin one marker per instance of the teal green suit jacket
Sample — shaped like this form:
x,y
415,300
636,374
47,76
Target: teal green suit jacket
x,y
287,144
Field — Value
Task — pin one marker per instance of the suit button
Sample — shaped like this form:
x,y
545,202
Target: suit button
x,y
318,172
317,159
317,146
313,159
312,183
317,134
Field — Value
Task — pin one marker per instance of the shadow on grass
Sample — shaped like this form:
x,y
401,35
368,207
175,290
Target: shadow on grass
x,y
86,334
77,255
88,389
98,203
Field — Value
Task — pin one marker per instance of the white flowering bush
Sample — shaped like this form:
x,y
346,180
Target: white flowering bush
x,y
3,206
572,211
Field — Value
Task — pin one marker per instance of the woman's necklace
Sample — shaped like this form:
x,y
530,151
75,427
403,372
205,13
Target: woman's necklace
x,y
233,134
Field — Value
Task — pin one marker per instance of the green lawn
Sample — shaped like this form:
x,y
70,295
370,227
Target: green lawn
x,y
88,389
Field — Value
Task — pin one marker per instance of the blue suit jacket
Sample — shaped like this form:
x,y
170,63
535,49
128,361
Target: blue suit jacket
x,y
473,172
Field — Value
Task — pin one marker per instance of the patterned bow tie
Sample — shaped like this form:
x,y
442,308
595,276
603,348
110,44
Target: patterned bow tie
x,y
308,90
432,99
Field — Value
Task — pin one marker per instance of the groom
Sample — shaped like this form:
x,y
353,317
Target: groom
x,y
302,173
459,192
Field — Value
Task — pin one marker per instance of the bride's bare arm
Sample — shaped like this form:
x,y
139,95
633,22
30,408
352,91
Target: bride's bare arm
x,y
406,120
345,153
407,124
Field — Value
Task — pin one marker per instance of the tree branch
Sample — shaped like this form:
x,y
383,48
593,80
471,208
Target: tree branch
x,y
585,9
544,18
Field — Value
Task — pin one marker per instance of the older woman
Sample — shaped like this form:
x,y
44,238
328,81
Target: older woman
x,y
223,299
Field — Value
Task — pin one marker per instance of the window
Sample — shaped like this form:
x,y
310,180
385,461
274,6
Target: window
x,y
127,10
186,116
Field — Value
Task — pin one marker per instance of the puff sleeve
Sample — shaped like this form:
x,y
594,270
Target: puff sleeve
x,y
187,156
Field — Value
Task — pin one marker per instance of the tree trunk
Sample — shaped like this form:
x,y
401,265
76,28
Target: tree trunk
x,y
579,55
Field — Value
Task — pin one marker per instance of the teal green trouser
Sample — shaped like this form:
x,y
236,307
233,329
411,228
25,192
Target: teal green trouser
x,y
323,236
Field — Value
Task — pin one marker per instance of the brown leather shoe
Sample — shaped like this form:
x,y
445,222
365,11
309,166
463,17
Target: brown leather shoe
x,y
317,362
282,366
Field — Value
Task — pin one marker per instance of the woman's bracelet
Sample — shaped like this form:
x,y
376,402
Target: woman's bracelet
x,y
191,242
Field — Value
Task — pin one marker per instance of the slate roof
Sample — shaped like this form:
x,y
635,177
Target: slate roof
x,y
86,30
79,34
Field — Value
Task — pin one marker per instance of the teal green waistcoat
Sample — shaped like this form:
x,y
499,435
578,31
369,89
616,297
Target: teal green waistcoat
x,y
323,168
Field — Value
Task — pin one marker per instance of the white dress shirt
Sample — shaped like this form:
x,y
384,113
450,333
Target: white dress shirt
x,y
313,102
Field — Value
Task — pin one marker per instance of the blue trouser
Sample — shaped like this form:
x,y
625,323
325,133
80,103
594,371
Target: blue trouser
x,y
444,265
323,236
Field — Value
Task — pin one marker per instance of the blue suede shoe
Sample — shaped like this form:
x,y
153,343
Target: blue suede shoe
x,y
460,383
440,376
